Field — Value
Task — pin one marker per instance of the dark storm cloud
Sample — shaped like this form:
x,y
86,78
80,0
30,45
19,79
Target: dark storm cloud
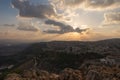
x,y
29,10
112,18
63,28
26,27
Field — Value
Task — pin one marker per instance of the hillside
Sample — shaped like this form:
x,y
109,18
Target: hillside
x,y
68,60
111,46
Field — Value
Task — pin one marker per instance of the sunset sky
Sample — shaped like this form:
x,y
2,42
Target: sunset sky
x,y
48,20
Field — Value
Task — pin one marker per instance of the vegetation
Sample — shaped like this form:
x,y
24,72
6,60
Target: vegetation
x,y
54,58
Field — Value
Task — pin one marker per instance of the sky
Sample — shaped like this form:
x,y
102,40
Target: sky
x,y
50,20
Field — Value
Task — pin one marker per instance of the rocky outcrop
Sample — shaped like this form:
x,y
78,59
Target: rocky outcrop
x,y
13,76
66,74
70,74
93,75
100,72
33,75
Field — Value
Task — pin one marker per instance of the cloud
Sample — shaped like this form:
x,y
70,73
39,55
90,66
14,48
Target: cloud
x,y
25,26
41,11
112,18
29,10
63,28
57,9
51,12
9,25
88,4
102,4
66,2
73,2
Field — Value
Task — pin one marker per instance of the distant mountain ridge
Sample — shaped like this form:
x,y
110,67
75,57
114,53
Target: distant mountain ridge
x,y
102,46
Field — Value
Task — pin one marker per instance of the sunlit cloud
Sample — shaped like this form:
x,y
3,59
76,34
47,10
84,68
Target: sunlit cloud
x,y
112,18
87,4
63,20
26,26
102,4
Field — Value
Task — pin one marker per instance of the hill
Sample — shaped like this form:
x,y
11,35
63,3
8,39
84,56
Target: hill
x,y
68,60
